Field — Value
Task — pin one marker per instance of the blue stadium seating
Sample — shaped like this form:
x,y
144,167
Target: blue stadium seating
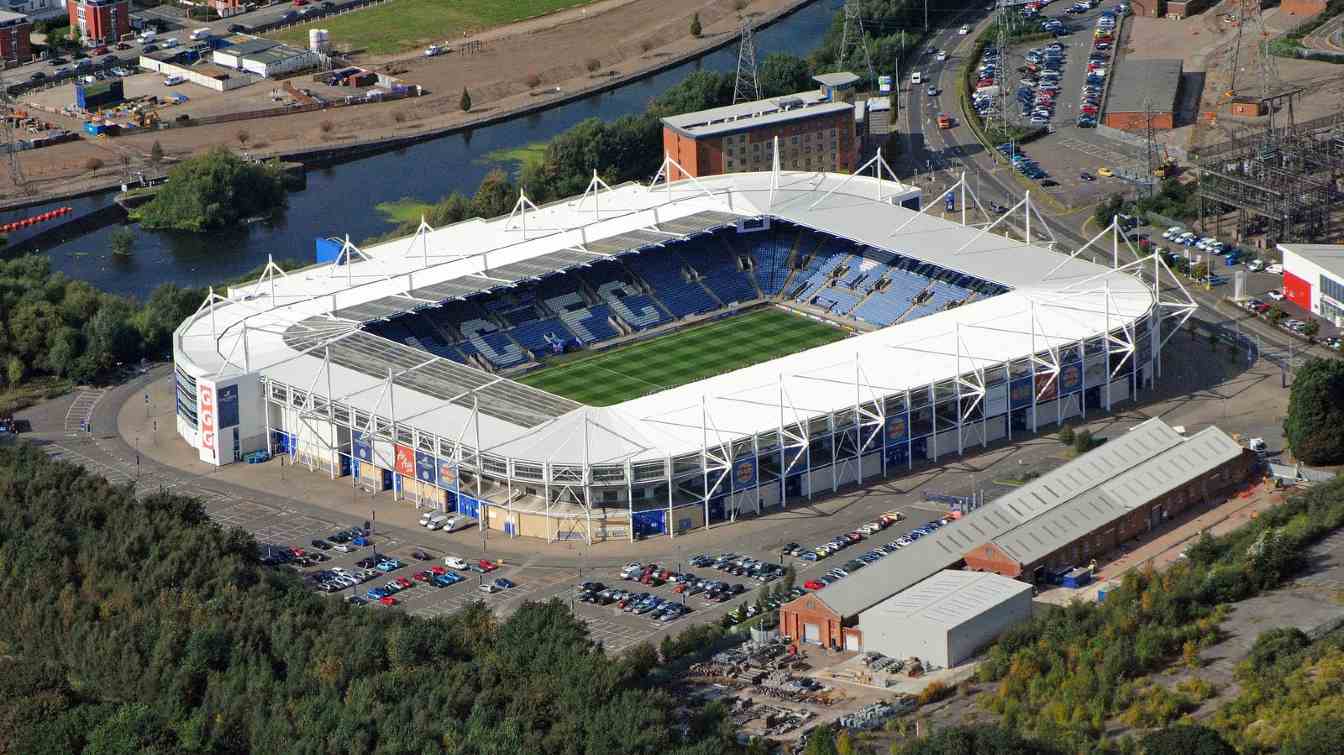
x,y
770,257
717,266
661,267
501,328
616,286
542,336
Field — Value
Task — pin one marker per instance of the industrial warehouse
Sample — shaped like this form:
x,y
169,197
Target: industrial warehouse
x,y
398,366
1040,532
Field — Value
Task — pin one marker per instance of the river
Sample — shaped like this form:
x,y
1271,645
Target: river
x,y
341,200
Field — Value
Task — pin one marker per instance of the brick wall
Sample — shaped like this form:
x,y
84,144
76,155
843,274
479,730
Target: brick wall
x,y
795,615
1135,121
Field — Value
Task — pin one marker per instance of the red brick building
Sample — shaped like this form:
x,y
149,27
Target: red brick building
x,y
15,47
1302,7
1139,88
1078,512
100,22
816,131
1097,522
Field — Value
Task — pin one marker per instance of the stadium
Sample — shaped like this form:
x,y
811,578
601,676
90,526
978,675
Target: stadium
x,y
651,359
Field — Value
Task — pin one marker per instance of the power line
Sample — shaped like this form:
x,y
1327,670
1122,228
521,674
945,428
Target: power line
x,y
747,86
15,170
852,34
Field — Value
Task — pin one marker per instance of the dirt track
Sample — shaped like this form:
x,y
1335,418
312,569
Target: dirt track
x,y
555,50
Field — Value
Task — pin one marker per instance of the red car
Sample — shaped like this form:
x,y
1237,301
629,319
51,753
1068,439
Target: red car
x,y
100,50
487,565
813,584
298,552
424,576
405,583
437,570
388,600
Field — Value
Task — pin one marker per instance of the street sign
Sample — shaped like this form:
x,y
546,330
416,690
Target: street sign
x,y
884,85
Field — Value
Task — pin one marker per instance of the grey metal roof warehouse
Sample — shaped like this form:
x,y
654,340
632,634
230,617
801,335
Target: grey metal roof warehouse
x,y
1136,82
1049,512
951,597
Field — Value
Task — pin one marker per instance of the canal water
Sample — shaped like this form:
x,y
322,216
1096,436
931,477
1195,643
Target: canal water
x,y
341,199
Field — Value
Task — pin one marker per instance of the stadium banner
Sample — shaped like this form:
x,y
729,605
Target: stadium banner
x,y
1070,378
445,474
363,446
404,460
744,473
424,466
897,429
1019,393
996,400
207,419
1047,387
1096,372
228,406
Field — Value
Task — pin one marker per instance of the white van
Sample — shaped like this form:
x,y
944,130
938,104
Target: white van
x,y
916,78
454,562
425,517
147,36
436,521
200,34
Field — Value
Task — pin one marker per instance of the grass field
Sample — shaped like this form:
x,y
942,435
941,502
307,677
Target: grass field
x,y
685,356
403,24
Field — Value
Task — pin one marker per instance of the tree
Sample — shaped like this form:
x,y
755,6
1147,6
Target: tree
x,y
156,153
790,577
1321,736
214,190
15,371
122,241
695,25
1066,435
1314,425
1311,327
1082,441
465,102
781,73
496,195
243,136
1185,739
822,742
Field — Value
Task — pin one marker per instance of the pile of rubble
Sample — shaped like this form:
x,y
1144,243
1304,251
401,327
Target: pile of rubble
x,y
873,716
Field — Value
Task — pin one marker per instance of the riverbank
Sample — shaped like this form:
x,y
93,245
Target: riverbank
x,y
349,133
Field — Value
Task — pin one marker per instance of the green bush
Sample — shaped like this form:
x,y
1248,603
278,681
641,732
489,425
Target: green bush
x,y
214,190
1315,423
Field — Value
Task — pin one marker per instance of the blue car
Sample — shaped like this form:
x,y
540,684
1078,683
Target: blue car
x,y
505,584
375,594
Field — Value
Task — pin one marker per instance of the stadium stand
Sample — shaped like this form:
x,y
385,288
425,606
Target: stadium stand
x,y
622,292
640,290
662,268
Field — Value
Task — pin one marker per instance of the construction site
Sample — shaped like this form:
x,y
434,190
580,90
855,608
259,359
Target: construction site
x,y
1268,171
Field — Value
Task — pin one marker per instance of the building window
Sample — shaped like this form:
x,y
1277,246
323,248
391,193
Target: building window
x,y
1332,288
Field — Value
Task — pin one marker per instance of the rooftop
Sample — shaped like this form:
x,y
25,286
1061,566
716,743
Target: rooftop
x,y
745,115
1054,300
836,80
276,54
951,597
9,18
1137,83
247,45
1329,257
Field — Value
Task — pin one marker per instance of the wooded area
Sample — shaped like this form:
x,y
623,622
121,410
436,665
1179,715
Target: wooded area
x,y
141,626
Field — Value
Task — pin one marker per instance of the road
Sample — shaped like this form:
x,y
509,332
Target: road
x,y
178,28
936,157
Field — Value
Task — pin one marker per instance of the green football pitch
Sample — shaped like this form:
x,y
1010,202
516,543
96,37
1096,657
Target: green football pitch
x,y
685,356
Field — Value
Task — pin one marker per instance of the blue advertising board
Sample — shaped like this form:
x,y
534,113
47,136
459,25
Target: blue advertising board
x,y
363,446
424,466
897,429
226,406
1019,392
445,474
744,473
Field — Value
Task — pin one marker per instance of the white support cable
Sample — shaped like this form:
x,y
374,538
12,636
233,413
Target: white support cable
x,y
858,171
1079,251
989,227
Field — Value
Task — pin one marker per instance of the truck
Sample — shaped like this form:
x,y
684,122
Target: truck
x,y
944,120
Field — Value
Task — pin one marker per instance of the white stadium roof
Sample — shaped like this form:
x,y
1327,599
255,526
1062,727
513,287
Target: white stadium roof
x,y
282,327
